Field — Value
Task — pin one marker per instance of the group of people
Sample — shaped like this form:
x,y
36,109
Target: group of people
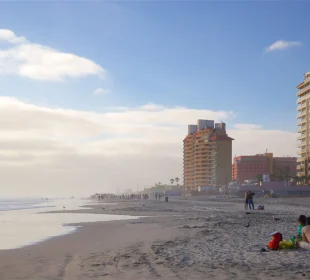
x,y
249,202
139,196
158,195
123,197
301,240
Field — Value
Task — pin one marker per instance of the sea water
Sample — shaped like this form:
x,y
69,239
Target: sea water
x,y
25,221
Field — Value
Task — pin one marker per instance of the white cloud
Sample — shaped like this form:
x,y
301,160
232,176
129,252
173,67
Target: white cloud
x,y
10,37
41,62
282,45
50,151
101,91
152,107
118,108
256,141
246,126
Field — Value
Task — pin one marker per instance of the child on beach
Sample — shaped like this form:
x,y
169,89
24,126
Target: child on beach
x,y
302,221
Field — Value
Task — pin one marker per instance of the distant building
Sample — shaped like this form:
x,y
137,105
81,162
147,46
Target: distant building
x,y
248,167
303,101
207,154
285,166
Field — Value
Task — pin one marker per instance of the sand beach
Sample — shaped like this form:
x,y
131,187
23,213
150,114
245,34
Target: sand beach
x,y
186,238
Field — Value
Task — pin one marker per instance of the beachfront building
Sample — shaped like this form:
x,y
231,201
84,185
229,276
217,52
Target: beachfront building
x,y
303,108
207,156
249,167
285,166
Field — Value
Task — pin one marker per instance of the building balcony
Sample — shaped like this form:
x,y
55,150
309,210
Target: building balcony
x,y
301,122
302,145
301,129
299,100
300,107
302,151
202,174
201,159
305,89
188,168
301,114
302,99
301,137
301,167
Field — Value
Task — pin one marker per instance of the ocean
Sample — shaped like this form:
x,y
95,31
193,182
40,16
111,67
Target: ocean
x,y
7,204
24,221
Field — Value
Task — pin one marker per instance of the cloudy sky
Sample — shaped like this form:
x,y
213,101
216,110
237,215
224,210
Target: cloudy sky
x,y
97,96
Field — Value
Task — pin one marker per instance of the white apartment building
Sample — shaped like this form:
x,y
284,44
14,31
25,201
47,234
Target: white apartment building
x,y
303,116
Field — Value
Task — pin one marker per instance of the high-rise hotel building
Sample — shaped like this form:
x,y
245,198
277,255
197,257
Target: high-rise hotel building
x,y
303,101
207,156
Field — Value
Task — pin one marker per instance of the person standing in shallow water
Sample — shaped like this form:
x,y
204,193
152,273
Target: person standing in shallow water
x,y
250,200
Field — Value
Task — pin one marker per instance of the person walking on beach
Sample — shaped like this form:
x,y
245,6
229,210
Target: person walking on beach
x,y
250,200
246,200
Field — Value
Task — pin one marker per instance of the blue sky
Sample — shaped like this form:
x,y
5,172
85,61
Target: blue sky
x,y
166,64
199,55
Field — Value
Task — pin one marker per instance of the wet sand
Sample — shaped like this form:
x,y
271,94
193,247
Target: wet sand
x,y
194,238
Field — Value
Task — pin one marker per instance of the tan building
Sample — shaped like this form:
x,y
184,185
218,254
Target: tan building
x,y
303,101
207,155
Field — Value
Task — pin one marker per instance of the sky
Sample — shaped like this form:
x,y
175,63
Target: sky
x,y
96,96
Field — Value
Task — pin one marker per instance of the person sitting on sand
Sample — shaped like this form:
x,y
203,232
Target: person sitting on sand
x,y
305,243
306,232
302,221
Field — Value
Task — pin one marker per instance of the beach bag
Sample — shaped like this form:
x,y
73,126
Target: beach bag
x,y
285,244
276,238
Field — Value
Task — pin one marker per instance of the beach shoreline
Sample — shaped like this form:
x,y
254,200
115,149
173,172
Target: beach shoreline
x,y
187,238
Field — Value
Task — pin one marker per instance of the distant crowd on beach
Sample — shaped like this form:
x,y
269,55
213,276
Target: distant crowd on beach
x,y
140,196
122,196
